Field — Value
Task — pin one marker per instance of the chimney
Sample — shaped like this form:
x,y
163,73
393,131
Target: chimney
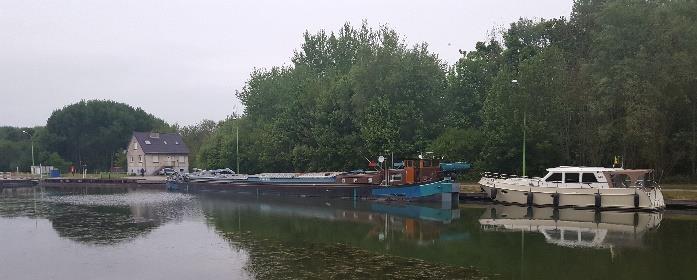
x,y
154,135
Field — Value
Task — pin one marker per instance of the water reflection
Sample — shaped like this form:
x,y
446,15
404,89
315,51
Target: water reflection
x,y
330,239
93,217
223,236
572,227
376,220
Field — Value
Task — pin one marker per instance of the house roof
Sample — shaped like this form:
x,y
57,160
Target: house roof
x,y
165,143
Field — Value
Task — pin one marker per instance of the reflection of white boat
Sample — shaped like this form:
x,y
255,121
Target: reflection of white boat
x,y
573,227
606,188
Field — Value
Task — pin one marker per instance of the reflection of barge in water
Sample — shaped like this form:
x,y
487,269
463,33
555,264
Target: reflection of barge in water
x,y
419,180
573,227
379,220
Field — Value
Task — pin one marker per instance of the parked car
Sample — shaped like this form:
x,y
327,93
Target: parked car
x,y
167,171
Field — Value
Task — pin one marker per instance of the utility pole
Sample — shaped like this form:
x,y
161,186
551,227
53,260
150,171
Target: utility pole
x,y
693,155
524,144
31,137
517,87
237,147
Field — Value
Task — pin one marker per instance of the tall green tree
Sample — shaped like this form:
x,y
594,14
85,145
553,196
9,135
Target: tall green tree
x,y
92,132
617,78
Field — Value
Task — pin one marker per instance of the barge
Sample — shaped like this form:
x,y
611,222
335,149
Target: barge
x,y
425,180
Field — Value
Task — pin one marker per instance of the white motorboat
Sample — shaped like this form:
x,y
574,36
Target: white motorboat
x,y
581,187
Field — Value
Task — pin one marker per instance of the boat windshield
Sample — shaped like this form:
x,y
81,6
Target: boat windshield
x,y
631,179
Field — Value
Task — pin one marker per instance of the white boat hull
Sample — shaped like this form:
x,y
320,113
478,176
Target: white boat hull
x,y
505,191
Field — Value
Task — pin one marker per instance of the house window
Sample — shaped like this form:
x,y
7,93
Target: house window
x,y
182,159
131,158
164,142
135,145
140,158
155,158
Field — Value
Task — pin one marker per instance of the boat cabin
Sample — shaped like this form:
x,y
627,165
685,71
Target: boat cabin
x,y
414,171
597,177
420,170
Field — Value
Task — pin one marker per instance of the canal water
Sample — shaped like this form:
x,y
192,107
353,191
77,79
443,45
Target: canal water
x,y
121,233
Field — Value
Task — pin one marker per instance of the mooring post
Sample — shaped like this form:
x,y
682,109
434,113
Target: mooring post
x,y
354,198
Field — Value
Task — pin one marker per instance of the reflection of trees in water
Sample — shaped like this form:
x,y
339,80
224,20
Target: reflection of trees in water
x,y
100,224
112,224
276,241
84,220
288,241
272,259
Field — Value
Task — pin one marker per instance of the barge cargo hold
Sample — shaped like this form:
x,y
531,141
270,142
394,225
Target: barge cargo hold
x,y
445,191
419,180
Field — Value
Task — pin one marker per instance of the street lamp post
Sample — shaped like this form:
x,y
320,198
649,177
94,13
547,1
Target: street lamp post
x,y
32,146
517,86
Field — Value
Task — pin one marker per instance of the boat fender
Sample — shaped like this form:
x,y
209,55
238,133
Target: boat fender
x,y
530,197
636,219
493,193
636,200
555,214
529,213
598,201
555,200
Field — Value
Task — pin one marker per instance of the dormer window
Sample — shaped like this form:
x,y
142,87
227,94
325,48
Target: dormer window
x,y
147,142
176,143
164,142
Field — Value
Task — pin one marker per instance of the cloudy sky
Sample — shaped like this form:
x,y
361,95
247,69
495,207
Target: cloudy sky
x,y
183,60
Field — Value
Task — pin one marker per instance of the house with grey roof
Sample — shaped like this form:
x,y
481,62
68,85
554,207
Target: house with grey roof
x,y
150,152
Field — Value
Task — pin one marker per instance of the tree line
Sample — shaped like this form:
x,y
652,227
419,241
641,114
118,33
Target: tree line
x,y
616,78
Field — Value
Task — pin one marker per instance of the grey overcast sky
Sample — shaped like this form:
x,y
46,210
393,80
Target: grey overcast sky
x,y
183,60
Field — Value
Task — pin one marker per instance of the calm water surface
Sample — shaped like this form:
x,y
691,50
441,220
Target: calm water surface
x,y
98,233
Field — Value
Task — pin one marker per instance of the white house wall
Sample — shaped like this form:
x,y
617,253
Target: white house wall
x,y
153,163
